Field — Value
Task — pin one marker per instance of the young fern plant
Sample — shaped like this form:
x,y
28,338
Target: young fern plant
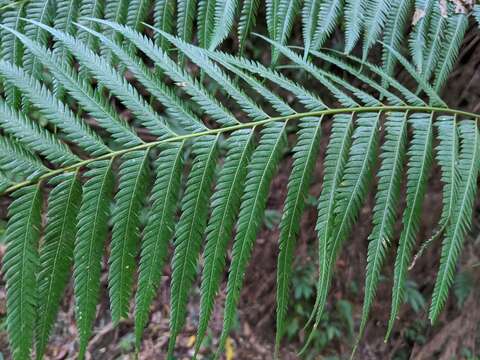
x,y
100,170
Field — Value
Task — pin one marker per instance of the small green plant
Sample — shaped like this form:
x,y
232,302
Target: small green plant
x,y
335,325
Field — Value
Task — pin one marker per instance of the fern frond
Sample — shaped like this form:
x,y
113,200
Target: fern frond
x,y
418,36
310,12
305,97
158,231
386,203
175,106
375,18
33,137
133,175
225,204
18,161
304,155
419,163
66,14
198,93
185,17
248,19
91,100
5,182
206,22
435,38
20,267
43,12
335,161
189,231
11,48
227,84
384,93
260,173
394,33
224,19
434,98
90,9
137,13
92,231
321,75
460,223
116,83
56,112
447,158
329,15
284,18
163,19
354,22
56,253
456,26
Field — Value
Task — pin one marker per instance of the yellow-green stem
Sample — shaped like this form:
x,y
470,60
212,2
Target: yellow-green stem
x,y
319,113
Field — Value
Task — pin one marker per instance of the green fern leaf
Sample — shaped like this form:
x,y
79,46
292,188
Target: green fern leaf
x,y
225,205
304,154
468,167
329,15
92,231
66,14
175,106
5,182
53,110
456,28
286,13
447,157
18,161
227,84
418,36
92,101
394,34
207,102
158,231
335,161
163,19
261,169
248,19
419,163
354,22
375,18
11,48
386,203
56,254
138,11
133,174
116,83
33,137
90,9
206,22
116,11
20,267
43,12
224,19
189,231
185,17
310,12
435,39
305,97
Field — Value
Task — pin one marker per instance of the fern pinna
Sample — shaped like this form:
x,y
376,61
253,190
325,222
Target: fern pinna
x,y
93,172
